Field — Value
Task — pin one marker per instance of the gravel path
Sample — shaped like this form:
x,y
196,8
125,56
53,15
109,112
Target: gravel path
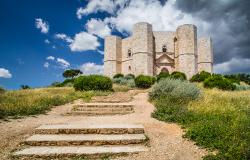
x,y
166,142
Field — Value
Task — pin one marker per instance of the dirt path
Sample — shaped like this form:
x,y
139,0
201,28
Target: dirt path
x,y
166,142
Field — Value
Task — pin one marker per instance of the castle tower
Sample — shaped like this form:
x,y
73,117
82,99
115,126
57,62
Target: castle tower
x,y
112,56
186,55
205,55
142,49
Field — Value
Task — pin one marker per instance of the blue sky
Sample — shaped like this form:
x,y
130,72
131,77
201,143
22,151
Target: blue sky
x,y
40,39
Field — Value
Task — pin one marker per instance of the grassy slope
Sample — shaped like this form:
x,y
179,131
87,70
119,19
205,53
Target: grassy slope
x,y
219,120
36,101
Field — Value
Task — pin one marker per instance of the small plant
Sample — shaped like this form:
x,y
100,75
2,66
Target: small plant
x,y
200,77
143,81
118,75
178,75
218,81
129,76
93,82
241,87
175,89
162,75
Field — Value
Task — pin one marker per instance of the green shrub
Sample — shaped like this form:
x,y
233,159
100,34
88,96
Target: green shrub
x,y
218,81
143,81
93,82
162,75
178,75
175,89
234,78
241,87
200,77
129,76
2,90
118,75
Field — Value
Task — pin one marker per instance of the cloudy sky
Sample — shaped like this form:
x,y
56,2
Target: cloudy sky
x,y
40,39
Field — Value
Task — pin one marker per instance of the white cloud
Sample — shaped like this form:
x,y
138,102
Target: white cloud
x,y
50,58
98,5
62,63
98,27
91,68
41,24
4,73
46,64
47,41
63,37
84,41
234,65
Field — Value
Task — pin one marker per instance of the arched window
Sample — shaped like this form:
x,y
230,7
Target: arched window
x,y
164,70
164,48
129,53
129,68
175,39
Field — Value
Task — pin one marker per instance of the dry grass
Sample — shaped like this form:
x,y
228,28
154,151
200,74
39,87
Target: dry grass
x,y
36,101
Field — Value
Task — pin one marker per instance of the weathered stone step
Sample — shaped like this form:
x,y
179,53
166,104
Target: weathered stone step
x,y
93,151
120,109
102,105
84,139
90,129
95,113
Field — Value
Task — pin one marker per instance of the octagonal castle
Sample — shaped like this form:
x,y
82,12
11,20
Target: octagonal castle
x,y
150,52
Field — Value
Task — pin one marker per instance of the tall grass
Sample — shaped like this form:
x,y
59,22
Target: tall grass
x,y
219,120
36,101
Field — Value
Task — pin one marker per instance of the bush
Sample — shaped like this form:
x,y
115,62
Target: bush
x,y
218,81
162,75
241,87
143,81
178,75
129,76
175,89
93,82
233,78
2,90
118,75
200,77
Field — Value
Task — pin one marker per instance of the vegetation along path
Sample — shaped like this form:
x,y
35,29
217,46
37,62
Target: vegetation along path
x,y
165,143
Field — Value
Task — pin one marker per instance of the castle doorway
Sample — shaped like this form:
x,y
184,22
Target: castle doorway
x,y
164,70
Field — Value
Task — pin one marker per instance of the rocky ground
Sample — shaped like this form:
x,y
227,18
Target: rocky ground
x,y
166,142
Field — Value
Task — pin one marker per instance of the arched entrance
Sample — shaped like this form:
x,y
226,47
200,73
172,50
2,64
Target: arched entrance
x,y
164,70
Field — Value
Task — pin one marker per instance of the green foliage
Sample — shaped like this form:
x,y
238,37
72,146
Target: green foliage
x,y
242,87
218,120
2,90
178,75
25,87
200,77
129,76
162,75
118,75
218,81
233,78
175,89
124,81
71,73
143,81
93,82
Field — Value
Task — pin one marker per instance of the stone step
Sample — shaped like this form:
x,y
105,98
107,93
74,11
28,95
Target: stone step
x,y
84,139
73,151
102,105
90,129
96,113
118,109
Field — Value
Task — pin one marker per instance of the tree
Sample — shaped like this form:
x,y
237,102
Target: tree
x,y
25,87
71,73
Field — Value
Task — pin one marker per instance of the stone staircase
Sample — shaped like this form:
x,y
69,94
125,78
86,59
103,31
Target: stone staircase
x,y
73,140
91,109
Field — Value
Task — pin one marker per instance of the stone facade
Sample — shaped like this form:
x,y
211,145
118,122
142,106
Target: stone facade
x,y
151,52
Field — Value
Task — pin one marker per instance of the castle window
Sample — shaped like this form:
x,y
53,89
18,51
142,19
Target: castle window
x,y
164,48
129,68
175,39
129,53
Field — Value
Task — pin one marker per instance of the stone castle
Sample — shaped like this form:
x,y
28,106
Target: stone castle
x,y
150,52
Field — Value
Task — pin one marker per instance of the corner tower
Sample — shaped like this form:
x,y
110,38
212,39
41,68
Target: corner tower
x,y
142,49
112,56
187,49
205,55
